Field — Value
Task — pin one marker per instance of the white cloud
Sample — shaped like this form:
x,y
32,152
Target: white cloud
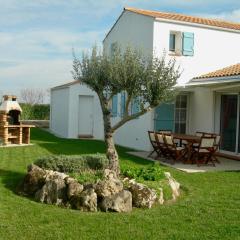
x,y
233,16
34,44
35,74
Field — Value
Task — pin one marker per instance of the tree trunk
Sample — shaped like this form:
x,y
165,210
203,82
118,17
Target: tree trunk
x,y
111,153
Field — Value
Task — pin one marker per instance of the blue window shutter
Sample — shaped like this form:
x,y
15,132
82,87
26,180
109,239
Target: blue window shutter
x,y
188,44
114,106
164,117
123,102
135,108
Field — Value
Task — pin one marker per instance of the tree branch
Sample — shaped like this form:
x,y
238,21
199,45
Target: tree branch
x,y
128,118
129,98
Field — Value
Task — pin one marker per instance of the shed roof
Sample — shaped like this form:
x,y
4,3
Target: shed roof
x,y
66,84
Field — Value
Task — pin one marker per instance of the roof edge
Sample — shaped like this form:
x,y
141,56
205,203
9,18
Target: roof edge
x,y
66,85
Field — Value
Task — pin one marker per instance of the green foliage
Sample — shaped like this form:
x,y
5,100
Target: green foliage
x,y
88,176
35,112
73,164
152,172
148,78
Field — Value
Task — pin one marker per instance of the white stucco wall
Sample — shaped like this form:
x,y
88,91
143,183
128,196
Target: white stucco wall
x,y
201,110
59,111
74,92
134,134
213,49
132,30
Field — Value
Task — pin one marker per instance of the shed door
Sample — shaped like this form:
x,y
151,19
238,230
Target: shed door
x,y
85,116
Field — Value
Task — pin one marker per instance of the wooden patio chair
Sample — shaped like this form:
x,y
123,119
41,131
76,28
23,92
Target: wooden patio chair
x,y
153,142
162,148
165,131
174,152
216,147
205,151
199,134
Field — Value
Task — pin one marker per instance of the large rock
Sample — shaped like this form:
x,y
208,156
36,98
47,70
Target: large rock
x,y
74,188
34,180
119,202
110,185
86,201
175,186
142,196
54,191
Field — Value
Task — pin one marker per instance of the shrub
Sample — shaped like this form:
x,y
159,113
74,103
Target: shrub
x,y
73,164
153,172
35,112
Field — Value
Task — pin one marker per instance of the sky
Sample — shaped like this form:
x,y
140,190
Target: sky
x,y
37,36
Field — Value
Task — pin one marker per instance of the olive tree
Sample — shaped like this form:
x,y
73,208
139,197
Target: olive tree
x,y
148,81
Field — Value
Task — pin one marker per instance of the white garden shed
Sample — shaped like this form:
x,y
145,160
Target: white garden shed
x,y
75,112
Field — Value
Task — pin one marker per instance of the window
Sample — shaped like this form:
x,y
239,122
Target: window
x,y
181,43
114,108
135,106
181,114
123,103
172,42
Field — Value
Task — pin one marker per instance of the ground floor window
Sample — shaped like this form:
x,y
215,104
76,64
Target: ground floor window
x,y
229,122
172,116
181,114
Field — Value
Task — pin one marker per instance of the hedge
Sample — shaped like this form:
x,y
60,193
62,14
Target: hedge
x,y
74,163
35,112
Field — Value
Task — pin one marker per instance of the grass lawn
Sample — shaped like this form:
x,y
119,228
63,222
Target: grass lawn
x,y
208,209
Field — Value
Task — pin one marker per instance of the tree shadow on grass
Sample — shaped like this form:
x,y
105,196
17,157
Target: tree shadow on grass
x,y
11,179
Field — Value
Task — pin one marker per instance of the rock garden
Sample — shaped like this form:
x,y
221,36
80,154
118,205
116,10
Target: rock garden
x,y
85,183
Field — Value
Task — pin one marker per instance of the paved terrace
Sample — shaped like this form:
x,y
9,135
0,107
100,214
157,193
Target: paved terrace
x,y
225,164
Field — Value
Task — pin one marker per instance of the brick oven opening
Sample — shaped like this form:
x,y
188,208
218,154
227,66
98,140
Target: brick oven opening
x,y
13,117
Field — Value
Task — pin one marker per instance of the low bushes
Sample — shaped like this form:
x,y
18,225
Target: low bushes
x,y
35,112
153,172
73,164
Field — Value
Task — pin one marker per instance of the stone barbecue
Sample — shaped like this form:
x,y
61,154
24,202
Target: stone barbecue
x,y
11,129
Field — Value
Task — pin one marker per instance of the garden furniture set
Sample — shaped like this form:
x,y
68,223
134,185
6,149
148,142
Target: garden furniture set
x,y
197,149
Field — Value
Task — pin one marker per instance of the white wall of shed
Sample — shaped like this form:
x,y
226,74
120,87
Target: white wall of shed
x,y
59,116
75,91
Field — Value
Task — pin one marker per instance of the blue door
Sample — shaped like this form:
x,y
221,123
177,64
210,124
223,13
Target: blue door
x,y
164,117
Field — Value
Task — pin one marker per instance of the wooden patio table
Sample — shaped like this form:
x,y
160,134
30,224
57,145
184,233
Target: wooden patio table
x,y
190,139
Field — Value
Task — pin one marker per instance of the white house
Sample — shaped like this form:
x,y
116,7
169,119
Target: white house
x,y
199,46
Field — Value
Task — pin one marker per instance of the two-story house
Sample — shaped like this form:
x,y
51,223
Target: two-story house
x,y
199,46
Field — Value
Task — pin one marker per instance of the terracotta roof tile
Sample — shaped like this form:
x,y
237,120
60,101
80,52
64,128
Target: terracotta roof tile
x,y
186,18
232,70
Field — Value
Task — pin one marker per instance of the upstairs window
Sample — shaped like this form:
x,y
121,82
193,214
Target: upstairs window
x,y
172,42
181,43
